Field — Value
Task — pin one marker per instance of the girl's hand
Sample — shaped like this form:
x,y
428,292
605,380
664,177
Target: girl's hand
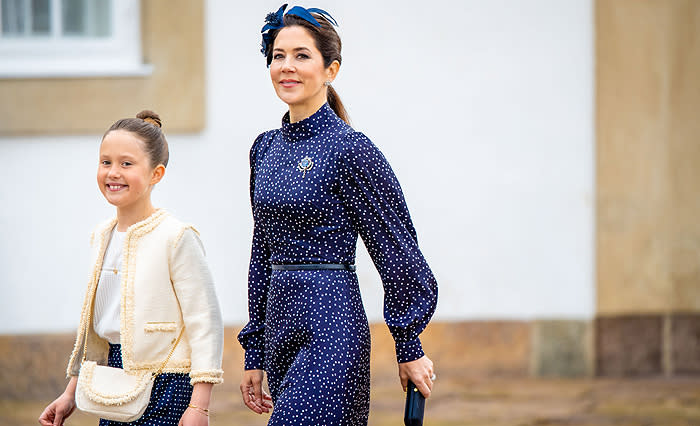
x,y
59,410
254,396
193,417
419,372
197,412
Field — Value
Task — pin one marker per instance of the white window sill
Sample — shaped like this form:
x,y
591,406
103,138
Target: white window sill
x,y
143,70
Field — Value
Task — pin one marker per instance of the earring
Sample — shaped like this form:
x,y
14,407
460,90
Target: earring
x,y
327,83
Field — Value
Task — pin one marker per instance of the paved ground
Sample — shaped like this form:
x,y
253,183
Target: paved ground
x,y
486,402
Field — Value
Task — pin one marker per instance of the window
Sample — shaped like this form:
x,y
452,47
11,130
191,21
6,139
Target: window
x,y
66,106
70,38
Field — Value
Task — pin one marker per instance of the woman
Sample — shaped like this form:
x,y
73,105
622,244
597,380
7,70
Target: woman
x,y
315,184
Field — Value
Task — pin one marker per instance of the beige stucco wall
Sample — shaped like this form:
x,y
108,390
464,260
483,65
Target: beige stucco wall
x,y
648,149
173,42
684,152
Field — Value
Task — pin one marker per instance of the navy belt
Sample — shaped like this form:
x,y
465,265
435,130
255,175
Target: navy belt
x,y
313,267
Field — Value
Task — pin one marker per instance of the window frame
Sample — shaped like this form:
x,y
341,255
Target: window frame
x,y
76,57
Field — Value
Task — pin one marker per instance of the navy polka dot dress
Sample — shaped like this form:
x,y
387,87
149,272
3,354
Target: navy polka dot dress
x,y
315,185
169,397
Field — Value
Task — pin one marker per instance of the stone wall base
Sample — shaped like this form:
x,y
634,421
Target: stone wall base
x,y
643,345
32,367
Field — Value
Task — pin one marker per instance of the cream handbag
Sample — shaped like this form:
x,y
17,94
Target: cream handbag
x,y
112,393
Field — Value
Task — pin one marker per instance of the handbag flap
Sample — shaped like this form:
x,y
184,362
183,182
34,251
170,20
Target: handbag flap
x,y
112,386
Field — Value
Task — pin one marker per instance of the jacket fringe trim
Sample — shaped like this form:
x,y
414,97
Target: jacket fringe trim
x,y
152,327
133,235
72,369
206,376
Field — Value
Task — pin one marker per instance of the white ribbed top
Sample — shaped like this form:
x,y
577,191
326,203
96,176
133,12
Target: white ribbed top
x,y
106,318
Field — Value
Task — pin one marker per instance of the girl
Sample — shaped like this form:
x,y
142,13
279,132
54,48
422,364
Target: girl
x,y
315,184
150,283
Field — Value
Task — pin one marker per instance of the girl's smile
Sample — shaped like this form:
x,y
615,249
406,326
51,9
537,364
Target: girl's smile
x,y
115,187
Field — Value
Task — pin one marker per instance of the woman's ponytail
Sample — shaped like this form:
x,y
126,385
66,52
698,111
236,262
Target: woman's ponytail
x,y
337,105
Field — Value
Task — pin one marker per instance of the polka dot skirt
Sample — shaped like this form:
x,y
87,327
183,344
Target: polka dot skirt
x,y
169,398
315,186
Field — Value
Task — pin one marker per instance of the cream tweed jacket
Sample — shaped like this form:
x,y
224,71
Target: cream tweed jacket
x,y
165,286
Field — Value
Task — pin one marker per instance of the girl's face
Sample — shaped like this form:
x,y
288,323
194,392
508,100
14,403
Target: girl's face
x,y
125,175
297,70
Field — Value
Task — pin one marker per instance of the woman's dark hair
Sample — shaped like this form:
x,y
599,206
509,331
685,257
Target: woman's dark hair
x,y
146,126
327,42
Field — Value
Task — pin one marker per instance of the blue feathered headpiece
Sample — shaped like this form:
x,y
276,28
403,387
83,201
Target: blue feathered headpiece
x,y
274,21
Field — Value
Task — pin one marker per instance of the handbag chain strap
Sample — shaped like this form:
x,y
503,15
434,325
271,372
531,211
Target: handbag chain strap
x,y
162,366
88,323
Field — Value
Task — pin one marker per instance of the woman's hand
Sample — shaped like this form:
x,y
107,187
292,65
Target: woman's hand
x,y
419,372
254,396
59,410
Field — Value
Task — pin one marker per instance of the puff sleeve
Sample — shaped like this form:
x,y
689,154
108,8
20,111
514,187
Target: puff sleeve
x,y
373,197
252,336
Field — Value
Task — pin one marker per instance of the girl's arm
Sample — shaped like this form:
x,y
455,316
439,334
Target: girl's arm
x,y
197,413
62,407
194,287
201,314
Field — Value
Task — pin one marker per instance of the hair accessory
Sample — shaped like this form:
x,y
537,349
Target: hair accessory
x,y
152,121
275,21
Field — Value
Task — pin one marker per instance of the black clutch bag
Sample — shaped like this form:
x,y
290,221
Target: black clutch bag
x,y
415,405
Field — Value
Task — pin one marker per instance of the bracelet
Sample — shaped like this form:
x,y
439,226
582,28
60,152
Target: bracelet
x,y
204,411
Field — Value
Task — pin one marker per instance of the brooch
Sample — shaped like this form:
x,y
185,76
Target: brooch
x,y
305,165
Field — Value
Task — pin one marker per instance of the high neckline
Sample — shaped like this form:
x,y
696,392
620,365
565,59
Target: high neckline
x,y
310,126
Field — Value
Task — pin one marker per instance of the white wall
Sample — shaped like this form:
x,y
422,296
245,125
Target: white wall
x,y
484,109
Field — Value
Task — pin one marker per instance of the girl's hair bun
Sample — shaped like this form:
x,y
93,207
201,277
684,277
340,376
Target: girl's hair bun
x,y
150,117
146,125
